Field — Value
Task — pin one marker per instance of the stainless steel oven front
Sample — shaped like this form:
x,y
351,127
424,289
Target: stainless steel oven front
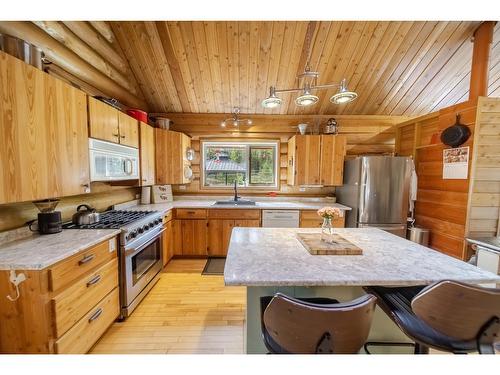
x,y
141,264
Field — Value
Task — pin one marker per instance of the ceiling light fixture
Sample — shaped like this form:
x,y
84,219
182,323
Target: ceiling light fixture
x,y
343,95
308,82
235,119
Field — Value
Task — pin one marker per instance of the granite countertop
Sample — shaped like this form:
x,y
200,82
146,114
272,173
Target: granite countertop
x,y
268,204
37,251
274,257
490,243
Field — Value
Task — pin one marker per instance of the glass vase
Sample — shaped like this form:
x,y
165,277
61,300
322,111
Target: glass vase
x,y
327,230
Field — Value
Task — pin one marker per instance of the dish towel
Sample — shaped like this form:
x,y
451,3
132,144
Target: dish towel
x,y
413,187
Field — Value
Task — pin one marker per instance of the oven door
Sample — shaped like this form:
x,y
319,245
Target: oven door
x,y
140,264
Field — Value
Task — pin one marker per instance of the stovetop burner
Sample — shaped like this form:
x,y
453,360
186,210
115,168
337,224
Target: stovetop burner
x,y
114,219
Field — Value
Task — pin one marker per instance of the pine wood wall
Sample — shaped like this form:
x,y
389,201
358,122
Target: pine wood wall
x,y
441,204
484,188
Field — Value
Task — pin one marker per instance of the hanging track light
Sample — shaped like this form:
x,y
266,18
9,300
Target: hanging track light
x,y
235,120
308,82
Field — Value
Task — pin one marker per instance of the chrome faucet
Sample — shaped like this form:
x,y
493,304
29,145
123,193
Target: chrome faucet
x,y
236,191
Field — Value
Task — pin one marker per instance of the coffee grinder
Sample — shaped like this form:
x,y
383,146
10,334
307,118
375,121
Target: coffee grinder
x,y
49,220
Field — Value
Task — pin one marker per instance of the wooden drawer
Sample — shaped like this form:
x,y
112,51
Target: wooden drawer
x,y
338,222
310,215
65,272
253,214
169,216
185,213
75,301
84,334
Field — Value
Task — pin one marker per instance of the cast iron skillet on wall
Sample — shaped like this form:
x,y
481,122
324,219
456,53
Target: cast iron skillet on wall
x,y
456,134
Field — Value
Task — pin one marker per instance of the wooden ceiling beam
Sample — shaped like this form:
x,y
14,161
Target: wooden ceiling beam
x,y
483,38
70,61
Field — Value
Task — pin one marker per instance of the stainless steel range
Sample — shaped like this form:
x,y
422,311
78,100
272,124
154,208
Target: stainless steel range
x,y
140,252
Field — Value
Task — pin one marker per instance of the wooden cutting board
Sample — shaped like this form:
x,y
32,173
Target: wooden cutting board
x,y
312,242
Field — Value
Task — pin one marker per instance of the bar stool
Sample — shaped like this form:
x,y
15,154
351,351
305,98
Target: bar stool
x,y
315,325
447,315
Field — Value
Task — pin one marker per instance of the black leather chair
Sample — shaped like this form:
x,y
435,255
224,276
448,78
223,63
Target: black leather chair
x,y
447,315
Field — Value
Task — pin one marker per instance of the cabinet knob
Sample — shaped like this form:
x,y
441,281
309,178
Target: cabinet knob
x,y
122,136
116,135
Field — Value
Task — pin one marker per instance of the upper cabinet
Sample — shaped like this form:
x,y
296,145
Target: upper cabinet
x,y
147,154
44,142
172,166
109,124
316,160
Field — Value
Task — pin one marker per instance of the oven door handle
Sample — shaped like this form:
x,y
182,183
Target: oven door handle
x,y
135,250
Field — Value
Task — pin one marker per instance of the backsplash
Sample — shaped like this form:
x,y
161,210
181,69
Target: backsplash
x,y
103,196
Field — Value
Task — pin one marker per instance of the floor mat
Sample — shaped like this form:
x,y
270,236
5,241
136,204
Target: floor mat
x,y
214,266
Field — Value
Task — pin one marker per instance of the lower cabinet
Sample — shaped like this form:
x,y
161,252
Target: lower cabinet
x,y
194,236
220,226
168,239
310,219
64,308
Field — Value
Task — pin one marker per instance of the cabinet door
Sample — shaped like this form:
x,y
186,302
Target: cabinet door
x,y
44,142
103,120
194,237
176,237
219,233
290,173
169,159
333,148
168,248
147,154
247,223
129,130
307,159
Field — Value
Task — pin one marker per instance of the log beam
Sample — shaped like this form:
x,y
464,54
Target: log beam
x,y
90,36
63,35
70,61
104,29
483,38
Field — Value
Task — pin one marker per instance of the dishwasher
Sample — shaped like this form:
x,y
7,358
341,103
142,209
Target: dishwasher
x,y
280,218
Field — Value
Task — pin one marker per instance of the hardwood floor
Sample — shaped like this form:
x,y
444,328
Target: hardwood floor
x,y
185,313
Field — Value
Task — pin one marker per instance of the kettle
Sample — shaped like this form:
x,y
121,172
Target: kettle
x,y
85,217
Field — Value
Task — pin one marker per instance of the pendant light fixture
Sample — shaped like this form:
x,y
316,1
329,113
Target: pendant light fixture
x,y
235,120
307,82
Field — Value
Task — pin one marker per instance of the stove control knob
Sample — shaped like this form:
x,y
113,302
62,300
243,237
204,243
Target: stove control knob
x,y
132,234
158,221
140,230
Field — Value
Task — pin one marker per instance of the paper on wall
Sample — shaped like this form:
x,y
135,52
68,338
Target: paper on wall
x,y
456,163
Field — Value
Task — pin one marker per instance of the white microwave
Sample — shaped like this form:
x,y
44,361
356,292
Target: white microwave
x,y
112,162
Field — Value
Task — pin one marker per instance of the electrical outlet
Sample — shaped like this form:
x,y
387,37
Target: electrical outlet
x,y
302,189
138,196
182,187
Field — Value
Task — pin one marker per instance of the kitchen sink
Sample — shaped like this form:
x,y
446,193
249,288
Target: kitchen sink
x,y
239,202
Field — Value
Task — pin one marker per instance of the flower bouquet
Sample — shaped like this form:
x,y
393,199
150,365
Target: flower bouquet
x,y
328,214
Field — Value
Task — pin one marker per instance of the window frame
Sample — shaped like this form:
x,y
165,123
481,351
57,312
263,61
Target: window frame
x,y
247,143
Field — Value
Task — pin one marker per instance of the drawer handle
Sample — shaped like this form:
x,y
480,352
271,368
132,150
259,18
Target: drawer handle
x,y
116,135
122,136
190,212
94,280
86,259
95,315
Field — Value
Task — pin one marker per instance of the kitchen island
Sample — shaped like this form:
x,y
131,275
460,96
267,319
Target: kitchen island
x,y
268,260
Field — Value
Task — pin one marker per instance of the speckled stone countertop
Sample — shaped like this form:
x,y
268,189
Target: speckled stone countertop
x,y
264,204
274,257
38,251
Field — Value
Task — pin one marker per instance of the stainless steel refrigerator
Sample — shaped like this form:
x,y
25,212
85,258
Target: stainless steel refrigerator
x,y
377,189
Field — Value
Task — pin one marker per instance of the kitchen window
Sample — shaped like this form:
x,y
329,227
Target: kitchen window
x,y
250,164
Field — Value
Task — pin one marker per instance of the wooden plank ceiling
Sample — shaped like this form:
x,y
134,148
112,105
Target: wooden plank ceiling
x,y
397,68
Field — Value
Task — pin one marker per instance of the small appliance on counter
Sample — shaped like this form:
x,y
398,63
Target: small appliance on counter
x,y
85,217
49,221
